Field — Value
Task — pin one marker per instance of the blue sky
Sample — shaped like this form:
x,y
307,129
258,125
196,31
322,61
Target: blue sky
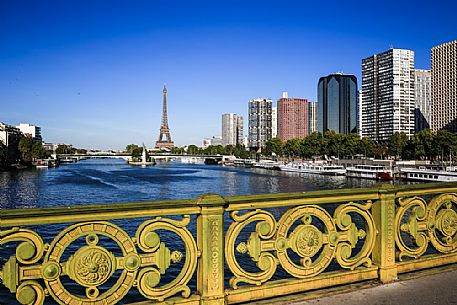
x,y
91,73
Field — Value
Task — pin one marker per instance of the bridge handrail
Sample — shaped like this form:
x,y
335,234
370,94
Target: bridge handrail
x,y
319,239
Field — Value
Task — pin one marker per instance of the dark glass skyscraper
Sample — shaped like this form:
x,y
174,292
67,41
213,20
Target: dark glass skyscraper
x,y
337,103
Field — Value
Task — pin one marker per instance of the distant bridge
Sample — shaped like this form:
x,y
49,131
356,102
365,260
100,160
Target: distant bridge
x,y
128,157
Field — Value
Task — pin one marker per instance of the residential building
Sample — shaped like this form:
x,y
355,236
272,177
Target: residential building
x,y
312,117
444,86
359,113
337,98
292,118
30,130
423,97
10,136
206,143
232,129
274,122
216,140
259,111
388,94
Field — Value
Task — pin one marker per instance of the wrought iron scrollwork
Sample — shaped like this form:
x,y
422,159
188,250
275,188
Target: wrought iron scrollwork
x,y
314,236
435,223
93,265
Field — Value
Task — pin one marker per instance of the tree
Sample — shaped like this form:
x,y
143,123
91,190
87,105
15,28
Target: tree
x,y
133,150
31,150
446,143
292,148
312,145
64,149
192,150
366,147
2,152
274,145
397,142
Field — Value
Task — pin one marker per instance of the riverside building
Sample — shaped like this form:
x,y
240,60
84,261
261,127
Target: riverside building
x,y
312,117
423,97
260,122
388,94
337,108
292,118
232,129
30,130
444,86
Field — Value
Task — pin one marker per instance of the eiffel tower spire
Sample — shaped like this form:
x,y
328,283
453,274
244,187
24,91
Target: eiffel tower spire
x,y
164,129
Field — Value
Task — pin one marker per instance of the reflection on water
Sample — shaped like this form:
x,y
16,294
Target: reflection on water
x,y
111,180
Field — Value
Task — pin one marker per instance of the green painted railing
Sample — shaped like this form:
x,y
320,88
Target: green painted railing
x,y
225,250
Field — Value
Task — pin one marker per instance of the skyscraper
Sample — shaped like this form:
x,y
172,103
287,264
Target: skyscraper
x,y
337,103
292,118
232,129
444,86
423,97
274,122
388,94
259,122
312,117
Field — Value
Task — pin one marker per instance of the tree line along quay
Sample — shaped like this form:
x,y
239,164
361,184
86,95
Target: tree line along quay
x,y
424,145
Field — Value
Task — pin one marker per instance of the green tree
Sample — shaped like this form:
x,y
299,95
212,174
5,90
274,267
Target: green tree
x,y
425,144
366,147
31,150
64,149
397,143
292,148
446,144
241,152
192,150
2,152
134,150
275,146
312,145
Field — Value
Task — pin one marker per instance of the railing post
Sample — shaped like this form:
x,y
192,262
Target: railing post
x,y
384,250
210,241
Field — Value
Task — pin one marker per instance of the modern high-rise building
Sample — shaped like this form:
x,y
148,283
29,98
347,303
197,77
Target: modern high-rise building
x,y
274,122
337,108
359,112
232,129
259,110
444,86
292,118
388,94
30,130
423,97
312,117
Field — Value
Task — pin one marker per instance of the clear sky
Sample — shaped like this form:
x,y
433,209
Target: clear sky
x,y
91,73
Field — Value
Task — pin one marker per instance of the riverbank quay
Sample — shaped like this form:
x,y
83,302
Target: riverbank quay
x,y
226,250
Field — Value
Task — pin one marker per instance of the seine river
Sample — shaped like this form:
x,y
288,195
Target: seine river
x,y
112,180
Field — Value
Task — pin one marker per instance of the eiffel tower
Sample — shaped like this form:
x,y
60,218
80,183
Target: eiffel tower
x,y
164,129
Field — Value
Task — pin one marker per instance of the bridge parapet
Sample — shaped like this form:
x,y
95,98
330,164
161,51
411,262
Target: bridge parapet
x,y
225,250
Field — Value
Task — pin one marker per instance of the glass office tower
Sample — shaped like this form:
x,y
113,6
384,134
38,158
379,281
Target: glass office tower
x,y
337,103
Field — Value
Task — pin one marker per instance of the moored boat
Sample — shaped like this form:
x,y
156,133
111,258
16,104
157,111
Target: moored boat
x,y
429,174
377,172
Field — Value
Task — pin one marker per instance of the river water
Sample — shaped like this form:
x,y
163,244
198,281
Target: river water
x,y
111,181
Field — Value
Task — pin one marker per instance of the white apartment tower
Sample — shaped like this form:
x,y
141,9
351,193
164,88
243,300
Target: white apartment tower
x,y
31,131
423,97
274,122
259,110
444,86
232,129
388,94
312,117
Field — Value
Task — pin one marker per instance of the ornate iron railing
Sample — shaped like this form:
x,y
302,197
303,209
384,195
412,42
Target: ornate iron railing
x,y
215,250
